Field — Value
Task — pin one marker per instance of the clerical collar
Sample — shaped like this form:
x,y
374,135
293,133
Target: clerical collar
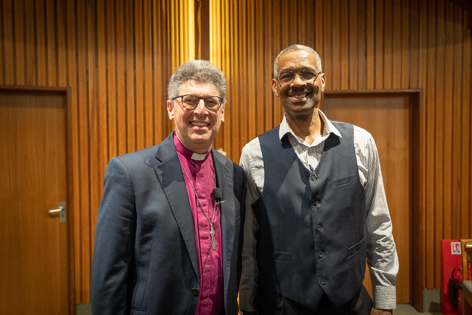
x,y
187,153
198,156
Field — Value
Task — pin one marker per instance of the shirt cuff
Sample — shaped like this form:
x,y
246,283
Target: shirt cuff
x,y
385,298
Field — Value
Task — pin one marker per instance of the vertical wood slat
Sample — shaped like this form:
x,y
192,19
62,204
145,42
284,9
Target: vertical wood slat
x,y
51,44
105,113
456,83
30,53
40,43
448,117
466,163
19,42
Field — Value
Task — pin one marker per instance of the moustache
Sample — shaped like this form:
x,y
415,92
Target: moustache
x,y
307,91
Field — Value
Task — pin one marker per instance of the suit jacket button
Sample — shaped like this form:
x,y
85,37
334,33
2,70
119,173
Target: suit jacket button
x,y
195,291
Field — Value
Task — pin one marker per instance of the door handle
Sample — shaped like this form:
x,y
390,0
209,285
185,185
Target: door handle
x,y
61,211
56,210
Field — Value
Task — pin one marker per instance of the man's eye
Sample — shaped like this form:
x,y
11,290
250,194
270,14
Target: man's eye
x,y
211,102
307,75
286,76
190,100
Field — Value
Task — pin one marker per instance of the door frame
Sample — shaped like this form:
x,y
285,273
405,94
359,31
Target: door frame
x,y
59,91
417,178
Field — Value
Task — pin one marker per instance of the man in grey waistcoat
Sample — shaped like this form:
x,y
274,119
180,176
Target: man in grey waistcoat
x,y
316,207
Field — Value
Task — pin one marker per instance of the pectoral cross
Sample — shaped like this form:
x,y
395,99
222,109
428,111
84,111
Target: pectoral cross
x,y
212,235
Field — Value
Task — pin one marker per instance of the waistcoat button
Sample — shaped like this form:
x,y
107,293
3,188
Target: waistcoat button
x,y
319,227
321,254
195,291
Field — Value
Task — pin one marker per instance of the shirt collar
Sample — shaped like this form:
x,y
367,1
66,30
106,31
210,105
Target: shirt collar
x,y
187,153
328,129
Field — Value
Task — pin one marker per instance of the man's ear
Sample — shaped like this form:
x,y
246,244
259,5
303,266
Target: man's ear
x,y
322,82
274,87
170,109
223,113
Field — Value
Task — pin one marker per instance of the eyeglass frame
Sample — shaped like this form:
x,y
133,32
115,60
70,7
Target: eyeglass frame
x,y
199,98
299,75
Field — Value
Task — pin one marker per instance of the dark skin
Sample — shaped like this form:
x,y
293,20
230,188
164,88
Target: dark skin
x,y
300,101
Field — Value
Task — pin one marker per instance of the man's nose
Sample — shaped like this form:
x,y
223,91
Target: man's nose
x,y
297,80
200,109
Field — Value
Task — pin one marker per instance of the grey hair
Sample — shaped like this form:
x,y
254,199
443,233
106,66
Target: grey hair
x,y
296,47
199,70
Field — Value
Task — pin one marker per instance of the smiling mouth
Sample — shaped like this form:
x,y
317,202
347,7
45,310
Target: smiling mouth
x,y
199,124
300,94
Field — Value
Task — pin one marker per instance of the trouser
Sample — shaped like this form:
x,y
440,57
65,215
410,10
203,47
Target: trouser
x,y
271,303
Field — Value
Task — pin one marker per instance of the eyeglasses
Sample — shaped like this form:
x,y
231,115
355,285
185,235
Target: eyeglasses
x,y
190,102
287,77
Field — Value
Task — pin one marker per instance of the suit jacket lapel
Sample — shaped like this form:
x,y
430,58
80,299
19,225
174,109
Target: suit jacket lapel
x,y
224,173
169,172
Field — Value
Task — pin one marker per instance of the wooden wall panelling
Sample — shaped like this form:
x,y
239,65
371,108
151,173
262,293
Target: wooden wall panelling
x,y
455,86
243,72
139,70
353,36
430,141
387,42
397,49
466,144
437,79
115,57
405,50
226,68
370,44
344,46
448,117
267,110
260,112
19,42
251,74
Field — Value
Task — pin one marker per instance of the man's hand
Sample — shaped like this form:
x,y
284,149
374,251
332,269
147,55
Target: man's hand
x,y
381,312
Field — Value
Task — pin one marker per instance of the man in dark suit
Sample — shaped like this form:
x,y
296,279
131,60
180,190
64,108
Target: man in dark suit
x,y
168,238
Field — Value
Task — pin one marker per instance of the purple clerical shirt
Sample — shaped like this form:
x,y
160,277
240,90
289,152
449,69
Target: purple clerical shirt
x,y
200,171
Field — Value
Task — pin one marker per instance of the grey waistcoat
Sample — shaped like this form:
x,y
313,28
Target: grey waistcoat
x,y
312,227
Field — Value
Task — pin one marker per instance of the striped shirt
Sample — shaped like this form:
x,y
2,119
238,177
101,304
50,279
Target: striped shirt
x,y
382,257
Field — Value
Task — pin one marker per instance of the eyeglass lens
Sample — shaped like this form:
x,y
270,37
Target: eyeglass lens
x,y
212,103
287,77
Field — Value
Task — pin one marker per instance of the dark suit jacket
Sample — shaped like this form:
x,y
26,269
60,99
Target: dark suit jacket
x,y
145,256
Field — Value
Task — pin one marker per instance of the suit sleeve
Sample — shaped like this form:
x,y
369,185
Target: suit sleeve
x,y
114,243
242,200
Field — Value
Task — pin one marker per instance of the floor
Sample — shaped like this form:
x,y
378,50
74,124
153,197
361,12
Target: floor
x,y
402,309
406,309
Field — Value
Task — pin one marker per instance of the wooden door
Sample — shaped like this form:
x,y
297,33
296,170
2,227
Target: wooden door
x,y
34,263
388,118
